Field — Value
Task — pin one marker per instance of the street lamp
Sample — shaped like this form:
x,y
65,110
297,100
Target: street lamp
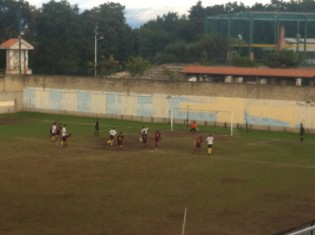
x,y
240,38
297,42
96,38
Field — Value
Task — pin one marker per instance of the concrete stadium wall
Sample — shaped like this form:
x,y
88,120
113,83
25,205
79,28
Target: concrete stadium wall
x,y
11,95
261,106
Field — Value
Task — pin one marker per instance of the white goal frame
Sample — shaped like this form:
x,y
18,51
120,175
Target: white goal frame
x,y
173,110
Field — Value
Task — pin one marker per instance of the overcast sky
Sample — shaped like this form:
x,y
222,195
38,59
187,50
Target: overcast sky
x,y
144,10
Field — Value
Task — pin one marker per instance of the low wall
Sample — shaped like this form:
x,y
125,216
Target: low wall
x,y
11,94
260,106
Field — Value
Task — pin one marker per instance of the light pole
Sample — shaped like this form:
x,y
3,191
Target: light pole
x,y
297,43
240,38
96,38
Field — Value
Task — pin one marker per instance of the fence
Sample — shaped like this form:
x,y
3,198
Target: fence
x,y
305,229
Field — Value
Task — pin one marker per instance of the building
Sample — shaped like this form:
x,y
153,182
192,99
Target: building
x,y
249,32
262,76
17,56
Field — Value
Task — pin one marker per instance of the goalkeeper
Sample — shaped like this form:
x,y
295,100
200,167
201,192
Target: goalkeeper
x,y
193,126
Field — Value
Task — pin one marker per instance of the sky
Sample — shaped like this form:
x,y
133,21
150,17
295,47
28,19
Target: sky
x,y
141,11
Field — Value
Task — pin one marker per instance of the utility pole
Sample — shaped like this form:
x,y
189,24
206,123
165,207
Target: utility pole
x,y
96,38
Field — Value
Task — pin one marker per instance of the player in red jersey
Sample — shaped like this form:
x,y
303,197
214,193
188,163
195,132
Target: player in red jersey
x,y
198,143
144,137
120,138
157,137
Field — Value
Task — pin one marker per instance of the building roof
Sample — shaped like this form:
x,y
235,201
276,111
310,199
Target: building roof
x,y
250,72
9,43
13,43
266,16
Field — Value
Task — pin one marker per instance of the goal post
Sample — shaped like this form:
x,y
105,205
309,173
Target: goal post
x,y
185,116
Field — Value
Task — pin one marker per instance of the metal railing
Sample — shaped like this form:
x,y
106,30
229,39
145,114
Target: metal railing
x,y
305,229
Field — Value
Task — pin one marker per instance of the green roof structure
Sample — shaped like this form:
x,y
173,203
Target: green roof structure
x,y
254,28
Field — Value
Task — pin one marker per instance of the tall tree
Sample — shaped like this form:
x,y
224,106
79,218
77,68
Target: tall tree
x,y
59,35
196,20
16,17
118,38
155,35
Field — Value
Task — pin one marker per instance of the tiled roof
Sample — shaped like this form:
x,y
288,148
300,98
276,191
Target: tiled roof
x,y
13,43
7,44
258,72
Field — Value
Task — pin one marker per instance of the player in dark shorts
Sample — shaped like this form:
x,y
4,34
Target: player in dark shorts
x,y
144,140
157,137
58,132
97,128
64,140
301,132
120,138
198,143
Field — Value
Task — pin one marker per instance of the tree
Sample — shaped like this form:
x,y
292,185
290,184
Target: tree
x,y
118,38
242,62
154,36
63,36
178,49
283,59
209,48
15,18
108,66
213,46
137,66
196,20
59,34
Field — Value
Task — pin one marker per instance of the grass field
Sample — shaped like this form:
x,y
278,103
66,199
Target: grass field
x,y
254,183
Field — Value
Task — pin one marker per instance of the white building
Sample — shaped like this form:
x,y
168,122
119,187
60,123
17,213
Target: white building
x,y
17,56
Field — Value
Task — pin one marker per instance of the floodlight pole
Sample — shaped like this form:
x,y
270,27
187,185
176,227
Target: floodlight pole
x,y
297,43
240,38
95,52
96,38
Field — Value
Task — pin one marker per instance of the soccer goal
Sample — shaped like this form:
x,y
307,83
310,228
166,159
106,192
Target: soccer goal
x,y
202,117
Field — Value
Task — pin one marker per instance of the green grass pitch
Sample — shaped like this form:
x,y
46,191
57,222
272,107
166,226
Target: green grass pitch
x,y
256,182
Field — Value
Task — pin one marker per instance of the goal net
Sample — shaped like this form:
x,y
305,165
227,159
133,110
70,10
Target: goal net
x,y
181,119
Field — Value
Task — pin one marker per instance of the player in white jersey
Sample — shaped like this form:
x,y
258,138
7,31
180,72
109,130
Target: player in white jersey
x,y
209,141
112,133
53,132
144,130
64,136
